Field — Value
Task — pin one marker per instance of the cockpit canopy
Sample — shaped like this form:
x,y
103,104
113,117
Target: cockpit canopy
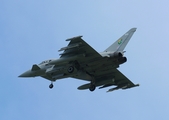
x,y
46,61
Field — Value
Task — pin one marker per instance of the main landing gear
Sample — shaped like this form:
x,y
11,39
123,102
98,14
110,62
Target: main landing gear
x,y
70,70
92,84
51,86
92,87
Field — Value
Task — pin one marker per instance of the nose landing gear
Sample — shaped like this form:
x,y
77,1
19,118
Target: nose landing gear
x,y
51,86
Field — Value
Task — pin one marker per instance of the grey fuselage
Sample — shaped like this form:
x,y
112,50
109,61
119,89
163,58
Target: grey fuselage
x,y
54,69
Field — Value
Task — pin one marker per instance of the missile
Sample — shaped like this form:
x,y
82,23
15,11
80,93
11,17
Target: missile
x,y
112,89
122,87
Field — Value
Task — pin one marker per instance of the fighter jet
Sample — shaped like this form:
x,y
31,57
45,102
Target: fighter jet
x,y
80,61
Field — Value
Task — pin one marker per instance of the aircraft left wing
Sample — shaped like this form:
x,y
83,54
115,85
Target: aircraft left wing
x,y
110,77
120,81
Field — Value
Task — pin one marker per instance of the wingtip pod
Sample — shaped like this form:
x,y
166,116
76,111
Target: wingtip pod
x,y
136,85
73,38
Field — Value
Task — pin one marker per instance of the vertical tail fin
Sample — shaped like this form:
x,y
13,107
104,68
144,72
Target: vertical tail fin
x,y
121,43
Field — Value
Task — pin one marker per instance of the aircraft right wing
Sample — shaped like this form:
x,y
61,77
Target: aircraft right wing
x,y
76,47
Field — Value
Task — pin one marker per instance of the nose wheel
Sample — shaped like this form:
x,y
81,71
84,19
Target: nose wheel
x,y
51,86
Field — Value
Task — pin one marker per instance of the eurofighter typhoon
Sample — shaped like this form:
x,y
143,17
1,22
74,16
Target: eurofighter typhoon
x,y
80,61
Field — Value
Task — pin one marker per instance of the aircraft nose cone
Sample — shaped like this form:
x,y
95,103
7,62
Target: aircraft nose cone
x,y
26,74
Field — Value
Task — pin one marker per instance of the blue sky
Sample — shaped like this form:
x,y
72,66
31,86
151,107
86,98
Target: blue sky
x,y
32,31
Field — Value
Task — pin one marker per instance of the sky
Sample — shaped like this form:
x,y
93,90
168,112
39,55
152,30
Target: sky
x,y
33,30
